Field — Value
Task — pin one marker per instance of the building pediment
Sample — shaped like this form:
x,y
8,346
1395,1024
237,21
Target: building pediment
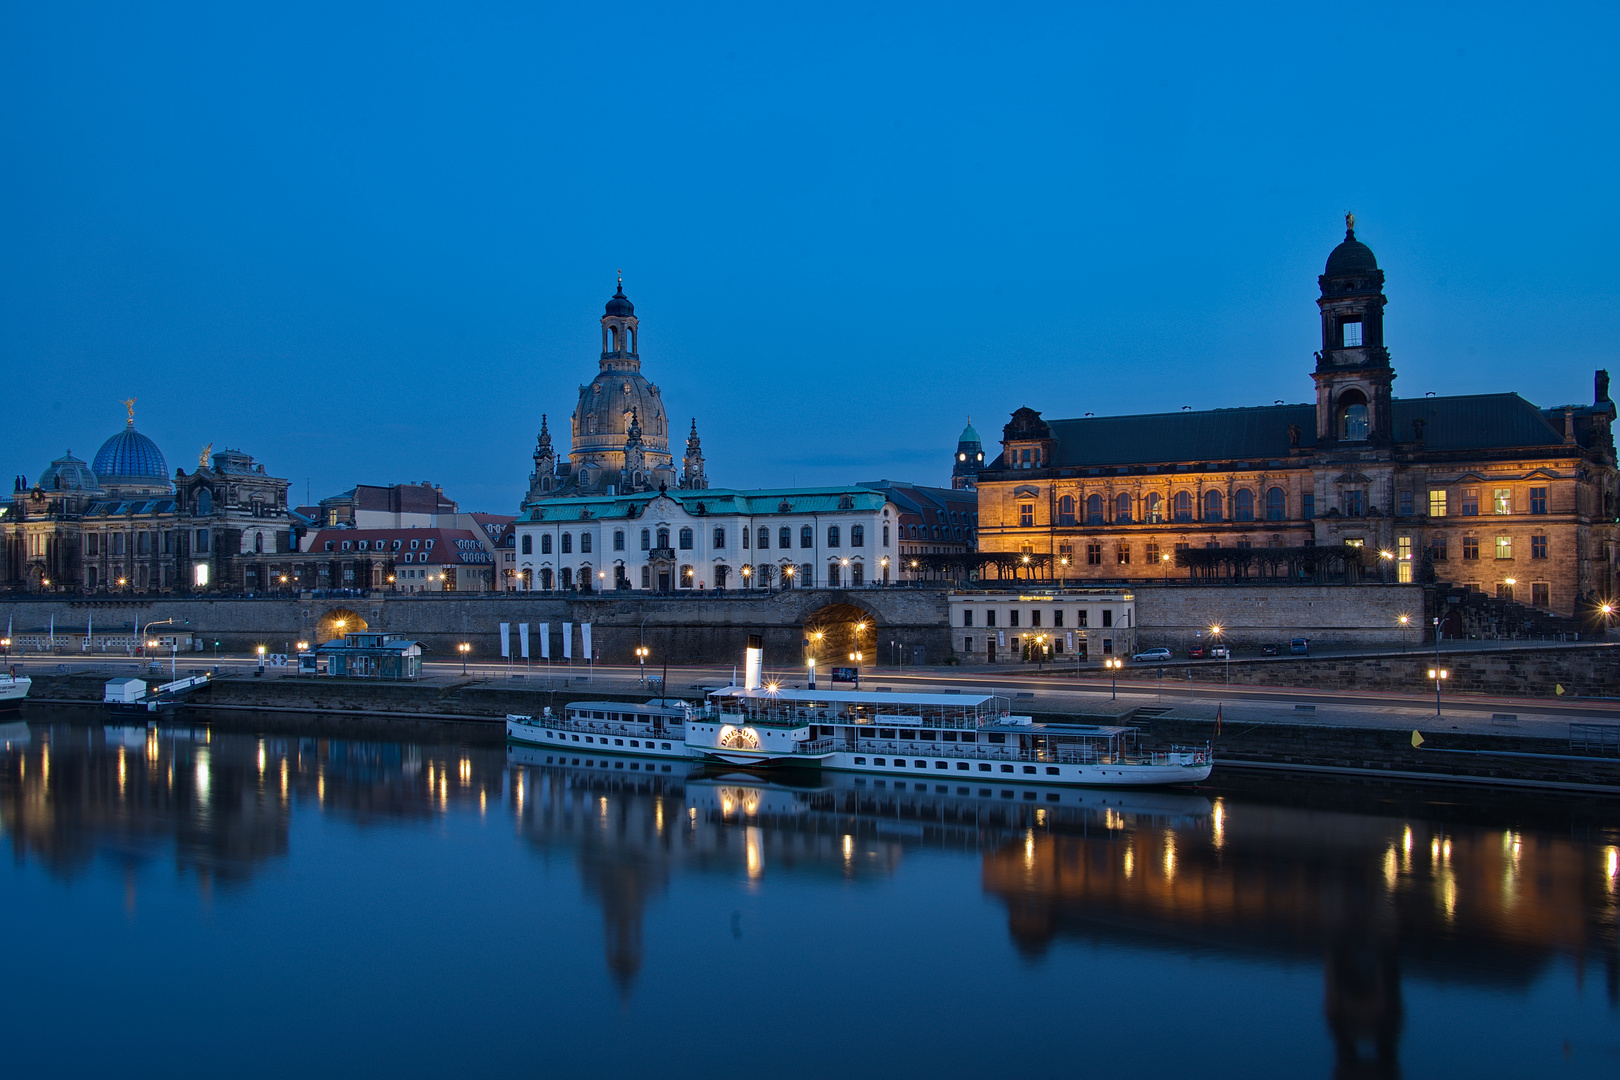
x,y
1354,478
1026,489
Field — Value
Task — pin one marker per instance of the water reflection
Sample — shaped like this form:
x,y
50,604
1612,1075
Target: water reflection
x,y
1372,900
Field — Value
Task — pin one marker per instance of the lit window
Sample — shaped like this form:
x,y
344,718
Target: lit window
x,y
1504,547
1352,334
1437,504
1502,501
199,575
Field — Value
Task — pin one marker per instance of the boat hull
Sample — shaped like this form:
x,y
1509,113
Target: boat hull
x,y
1195,768
13,691
531,733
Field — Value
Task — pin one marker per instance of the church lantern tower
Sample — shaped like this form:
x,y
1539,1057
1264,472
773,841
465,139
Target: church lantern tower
x,y
545,466
969,459
693,476
1353,374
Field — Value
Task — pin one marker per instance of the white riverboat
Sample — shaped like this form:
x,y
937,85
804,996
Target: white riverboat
x,y
654,729
13,689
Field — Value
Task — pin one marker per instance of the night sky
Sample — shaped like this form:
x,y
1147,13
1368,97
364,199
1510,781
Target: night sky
x,y
370,243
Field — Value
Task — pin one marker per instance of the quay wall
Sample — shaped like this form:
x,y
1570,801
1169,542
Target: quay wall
x,y
1330,615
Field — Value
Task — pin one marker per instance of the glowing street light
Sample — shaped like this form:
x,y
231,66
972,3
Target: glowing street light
x,y
464,648
641,658
1113,664
1405,621
1439,675
260,670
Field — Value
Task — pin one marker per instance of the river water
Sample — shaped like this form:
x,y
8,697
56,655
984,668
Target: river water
x,y
255,899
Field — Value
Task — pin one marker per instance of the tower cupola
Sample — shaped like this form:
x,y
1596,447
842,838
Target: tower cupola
x,y
619,332
1353,374
969,459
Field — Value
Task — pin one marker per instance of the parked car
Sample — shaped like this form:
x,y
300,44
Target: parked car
x,y
1300,646
1149,656
1220,652
1195,653
1269,649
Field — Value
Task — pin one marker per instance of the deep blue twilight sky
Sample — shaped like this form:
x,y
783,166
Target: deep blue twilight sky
x,y
370,243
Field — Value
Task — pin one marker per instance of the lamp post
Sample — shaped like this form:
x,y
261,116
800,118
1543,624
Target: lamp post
x,y
884,563
1215,633
845,564
787,572
747,572
1384,557
1113,664
855,658
1439,675
1510,582
464,648
1404,620
1606,610
259,673
810,664
1165,559
641,658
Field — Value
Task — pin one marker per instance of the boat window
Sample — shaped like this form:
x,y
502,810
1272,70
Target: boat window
x,y
984,768
984,793
962,765
620,742
964,791
589,739
1051,796
633,742
1029,768
950,736
907,734
1051,770
921,765
942,765
598,716
576,739
665,768
886,733
1006,768
665,746
1029,795
879,761
941,789
998,738
968,736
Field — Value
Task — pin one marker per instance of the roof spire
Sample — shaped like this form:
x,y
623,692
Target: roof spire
x,y
621,279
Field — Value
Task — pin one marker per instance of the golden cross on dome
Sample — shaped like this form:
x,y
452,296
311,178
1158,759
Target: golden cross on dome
x,y
621,277
129,403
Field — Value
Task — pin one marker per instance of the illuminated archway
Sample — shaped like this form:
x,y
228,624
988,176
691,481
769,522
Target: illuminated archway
x,y
336,623
837,630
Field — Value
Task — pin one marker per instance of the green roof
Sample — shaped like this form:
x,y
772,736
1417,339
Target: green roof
x,y
711,502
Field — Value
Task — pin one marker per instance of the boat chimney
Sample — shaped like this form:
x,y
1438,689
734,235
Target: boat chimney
x,y
756,649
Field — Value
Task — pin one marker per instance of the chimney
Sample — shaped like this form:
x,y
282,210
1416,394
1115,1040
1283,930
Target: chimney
x,y
1569,426
751,662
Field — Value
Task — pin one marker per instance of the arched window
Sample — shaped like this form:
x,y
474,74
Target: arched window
x,y
688,577
1183,506
545,579
1352,416
1066,510
784,537
1212,506
545,544
258,543
646,539
585,543
857,536
663,538
686,539
1154,508
1094,509
833,537
618,539
613,339
1243,505
565,578
528,544
1122,508
807,537
719,539
1276,504
205,501
721,574
764,538
567,543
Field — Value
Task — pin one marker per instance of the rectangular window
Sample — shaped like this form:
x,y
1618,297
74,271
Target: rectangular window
x,y
1355,503
1403,503
1124,554
765,538
857,536
1307,506
585,542
1437,503
1035,617
1538,547
1093,554
784,537
1066,551
646,541
618,539
886,536
1151,553
967,616
967,647
1012,617
118,544
1538,500
1540,594
1504,547
200,545
1470,502
745,539
1403,548
1108,617
1057,617
834,539
1502,501
567,543
1082,615
990,618
1437,549
719,539
1470,547
1026,514
1403,573
1352,334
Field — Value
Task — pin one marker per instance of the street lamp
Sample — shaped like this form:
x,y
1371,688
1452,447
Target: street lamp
x,y
855,658
1113,664
1384,558
1439,675
464,649
1510,582
641,658
1165,559
260,672
810,663
747,572
1404,620
1215,633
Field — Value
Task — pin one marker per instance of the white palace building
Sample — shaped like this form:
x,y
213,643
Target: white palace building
x,y
613,514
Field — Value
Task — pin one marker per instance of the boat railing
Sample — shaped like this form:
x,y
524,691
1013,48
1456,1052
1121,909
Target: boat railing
x,y
597,727
1082,755
815,746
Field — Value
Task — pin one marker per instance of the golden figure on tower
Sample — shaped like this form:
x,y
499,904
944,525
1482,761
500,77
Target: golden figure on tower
x,y
129,403
202,458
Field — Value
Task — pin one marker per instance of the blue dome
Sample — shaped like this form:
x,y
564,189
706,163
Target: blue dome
x,y
68,473
129,454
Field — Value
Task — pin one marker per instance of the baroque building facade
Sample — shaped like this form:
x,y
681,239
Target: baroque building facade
x,y
1484,490
619,431
121,524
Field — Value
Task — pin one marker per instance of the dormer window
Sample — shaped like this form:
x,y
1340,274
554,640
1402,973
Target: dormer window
x,y
1352,334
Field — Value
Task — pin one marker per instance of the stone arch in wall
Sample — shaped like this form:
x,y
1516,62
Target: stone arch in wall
x,y
337,623
836,630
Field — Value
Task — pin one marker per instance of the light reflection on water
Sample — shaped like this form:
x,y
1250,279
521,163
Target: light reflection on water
x,y
1396,913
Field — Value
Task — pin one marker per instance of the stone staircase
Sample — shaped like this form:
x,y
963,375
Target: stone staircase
x,y
1471,613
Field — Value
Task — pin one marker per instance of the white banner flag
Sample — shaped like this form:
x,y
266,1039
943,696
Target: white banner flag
x,y
545,641
506,639
568,641
1071,641
523,639
1001,638
585,638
